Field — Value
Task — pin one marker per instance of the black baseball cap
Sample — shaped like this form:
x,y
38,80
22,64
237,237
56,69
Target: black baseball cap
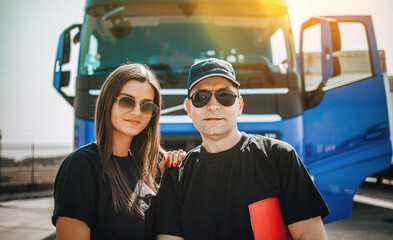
x,y
210,67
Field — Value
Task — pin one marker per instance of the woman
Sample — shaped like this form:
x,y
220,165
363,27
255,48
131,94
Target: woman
x,y
103,189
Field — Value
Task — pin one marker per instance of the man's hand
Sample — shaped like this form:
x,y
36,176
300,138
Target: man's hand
x,y
312,229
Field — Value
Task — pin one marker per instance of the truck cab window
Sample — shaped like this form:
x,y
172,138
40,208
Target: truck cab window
x,y
354,58
312,57
257,47
92,57
279,50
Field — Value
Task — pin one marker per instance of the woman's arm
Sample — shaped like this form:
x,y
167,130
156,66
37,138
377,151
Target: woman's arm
x,y
71,228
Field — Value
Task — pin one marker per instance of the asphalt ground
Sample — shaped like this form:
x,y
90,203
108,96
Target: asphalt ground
x,y
30,218
371,218
26,219
367,222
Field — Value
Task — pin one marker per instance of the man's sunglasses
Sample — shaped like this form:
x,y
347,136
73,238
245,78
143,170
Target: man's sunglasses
x,y
127,104
202,97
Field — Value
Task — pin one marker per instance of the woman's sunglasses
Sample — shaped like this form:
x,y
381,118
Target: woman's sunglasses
x,y
202,97
127,104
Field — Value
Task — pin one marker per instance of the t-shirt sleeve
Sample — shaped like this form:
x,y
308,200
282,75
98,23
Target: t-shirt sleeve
x,y
299,197
74,191
168,212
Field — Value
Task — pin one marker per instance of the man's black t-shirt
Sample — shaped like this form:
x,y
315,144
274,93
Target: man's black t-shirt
x,y
81,193
208,196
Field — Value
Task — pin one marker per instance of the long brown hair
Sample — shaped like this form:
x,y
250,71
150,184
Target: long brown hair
x,y
145,146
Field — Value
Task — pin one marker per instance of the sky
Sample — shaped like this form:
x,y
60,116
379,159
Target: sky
x,y
31,111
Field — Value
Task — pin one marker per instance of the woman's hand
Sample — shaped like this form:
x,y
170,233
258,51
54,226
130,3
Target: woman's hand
x,y
172,159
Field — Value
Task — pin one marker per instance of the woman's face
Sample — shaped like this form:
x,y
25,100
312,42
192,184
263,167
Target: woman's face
x,y
128,124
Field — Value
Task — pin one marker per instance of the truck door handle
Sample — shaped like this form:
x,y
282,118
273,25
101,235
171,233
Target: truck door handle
x,y
378,131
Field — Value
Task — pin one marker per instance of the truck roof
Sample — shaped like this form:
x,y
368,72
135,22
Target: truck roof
x,y
92,3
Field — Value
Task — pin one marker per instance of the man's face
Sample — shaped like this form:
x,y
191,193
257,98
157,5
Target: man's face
x,y
214,119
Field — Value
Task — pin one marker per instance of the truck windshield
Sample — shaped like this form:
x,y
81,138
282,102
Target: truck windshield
x,y
172,44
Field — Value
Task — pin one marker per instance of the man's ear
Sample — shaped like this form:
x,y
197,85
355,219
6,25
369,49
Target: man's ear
x,y
241,105
187,105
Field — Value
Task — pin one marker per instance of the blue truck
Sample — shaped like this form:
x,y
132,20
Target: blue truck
x,y
330,101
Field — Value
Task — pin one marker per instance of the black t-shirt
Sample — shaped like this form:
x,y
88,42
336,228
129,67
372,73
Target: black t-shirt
x,y
81,193
208,196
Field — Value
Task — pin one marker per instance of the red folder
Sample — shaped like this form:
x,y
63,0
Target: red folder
x,y
266,220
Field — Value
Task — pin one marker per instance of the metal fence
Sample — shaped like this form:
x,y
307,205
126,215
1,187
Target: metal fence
x,y
30,165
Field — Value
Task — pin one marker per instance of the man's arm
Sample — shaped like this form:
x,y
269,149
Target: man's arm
x,y
168,237
312,229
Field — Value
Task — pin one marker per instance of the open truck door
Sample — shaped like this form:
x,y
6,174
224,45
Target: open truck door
x,y
346,117
61,77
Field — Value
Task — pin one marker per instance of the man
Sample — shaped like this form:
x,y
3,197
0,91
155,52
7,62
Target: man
x,y
208,196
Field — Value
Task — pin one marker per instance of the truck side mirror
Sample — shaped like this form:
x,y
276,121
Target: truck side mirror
x,y
119,32
62,78
336,67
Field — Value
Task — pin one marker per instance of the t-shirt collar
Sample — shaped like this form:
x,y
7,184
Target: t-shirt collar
x,y
227,153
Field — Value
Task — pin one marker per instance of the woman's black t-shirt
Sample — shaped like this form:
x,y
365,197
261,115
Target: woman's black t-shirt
x,y
208,196
81,193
